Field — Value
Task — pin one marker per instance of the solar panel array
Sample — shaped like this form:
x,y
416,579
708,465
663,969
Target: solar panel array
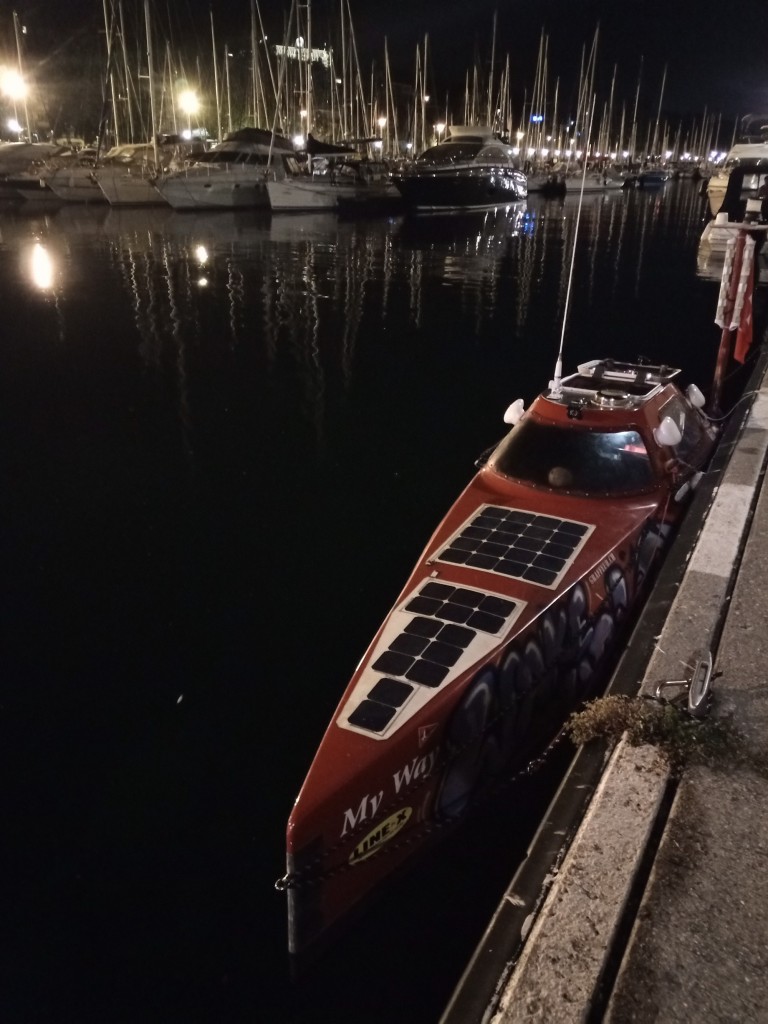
x,y
514,543
444,621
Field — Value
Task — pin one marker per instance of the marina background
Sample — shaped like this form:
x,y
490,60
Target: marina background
x,y
225,439
683,74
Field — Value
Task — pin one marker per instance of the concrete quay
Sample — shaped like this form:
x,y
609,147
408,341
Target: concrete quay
x,y
644,897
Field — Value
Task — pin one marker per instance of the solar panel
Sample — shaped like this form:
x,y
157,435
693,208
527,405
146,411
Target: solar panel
x,y
438,627
520,544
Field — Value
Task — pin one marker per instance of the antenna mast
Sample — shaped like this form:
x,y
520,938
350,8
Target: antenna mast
x,y
555,385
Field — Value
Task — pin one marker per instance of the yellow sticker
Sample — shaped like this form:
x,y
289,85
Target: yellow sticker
x,y
383,832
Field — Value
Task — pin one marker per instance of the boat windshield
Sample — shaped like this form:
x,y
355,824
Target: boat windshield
x,y
574,459
450,153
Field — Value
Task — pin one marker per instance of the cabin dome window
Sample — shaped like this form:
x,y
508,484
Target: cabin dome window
x,y
586,461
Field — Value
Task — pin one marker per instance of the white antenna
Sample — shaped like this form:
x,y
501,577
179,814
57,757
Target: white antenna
x,y
555,385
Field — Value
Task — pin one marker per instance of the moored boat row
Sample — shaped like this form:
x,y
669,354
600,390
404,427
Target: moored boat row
x,y
472,168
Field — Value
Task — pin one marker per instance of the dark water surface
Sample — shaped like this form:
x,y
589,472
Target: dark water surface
x,y
217,470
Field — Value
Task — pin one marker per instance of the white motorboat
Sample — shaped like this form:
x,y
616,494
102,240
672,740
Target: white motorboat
x,y
746,193
339,183
233,174
472,170
752,145
740,155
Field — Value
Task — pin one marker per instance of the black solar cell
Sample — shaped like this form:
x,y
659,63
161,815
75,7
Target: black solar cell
x,y
369,714
430,644
518,544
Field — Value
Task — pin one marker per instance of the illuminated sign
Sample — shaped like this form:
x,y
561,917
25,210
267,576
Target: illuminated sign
x,y
304,54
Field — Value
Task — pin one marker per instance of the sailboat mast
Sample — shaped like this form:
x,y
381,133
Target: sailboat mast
x,y
128,84
620,146
490,75
229,93
424,98
391,111
309,67
254,69
658,112
269,66
108,80
633,136
344,97
216,80
606,146
151,73
21,70
415,123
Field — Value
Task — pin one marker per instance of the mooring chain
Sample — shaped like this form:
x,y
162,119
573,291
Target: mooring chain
x,y
309,875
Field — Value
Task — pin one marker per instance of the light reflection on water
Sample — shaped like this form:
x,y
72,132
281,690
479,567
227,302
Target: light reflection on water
x,y
290,276
214,491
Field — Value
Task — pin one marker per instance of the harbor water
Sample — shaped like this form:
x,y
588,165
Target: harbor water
x,y
225,440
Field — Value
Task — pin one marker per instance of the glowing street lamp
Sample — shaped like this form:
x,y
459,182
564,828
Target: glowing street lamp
x,y
190,105
14,87
12,84
300,138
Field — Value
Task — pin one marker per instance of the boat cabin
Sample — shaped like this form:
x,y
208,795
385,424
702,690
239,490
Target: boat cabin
x,y
619,454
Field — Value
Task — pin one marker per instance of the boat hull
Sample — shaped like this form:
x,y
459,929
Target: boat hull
x,y
318,194
126,188
474,189
76,185
216,189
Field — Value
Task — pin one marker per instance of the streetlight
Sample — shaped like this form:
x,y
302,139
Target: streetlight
x,y
300,138
14,87
190,105
12,84
379,143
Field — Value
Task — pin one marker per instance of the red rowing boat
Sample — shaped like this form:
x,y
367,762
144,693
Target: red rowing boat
x,y
507,623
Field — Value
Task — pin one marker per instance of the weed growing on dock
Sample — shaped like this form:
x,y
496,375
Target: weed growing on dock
x,y
681,739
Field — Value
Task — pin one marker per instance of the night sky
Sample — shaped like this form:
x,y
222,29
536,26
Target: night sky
x,y
716,54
